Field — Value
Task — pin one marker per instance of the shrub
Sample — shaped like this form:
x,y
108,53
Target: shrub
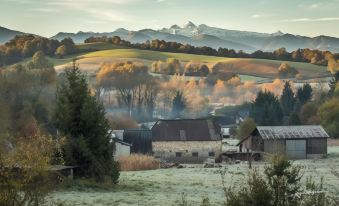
x,y
256,192
286,71
136,162
24,179
279,186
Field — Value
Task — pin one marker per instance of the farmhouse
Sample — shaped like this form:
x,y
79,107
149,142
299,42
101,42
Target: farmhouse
x,y
186,140
296,142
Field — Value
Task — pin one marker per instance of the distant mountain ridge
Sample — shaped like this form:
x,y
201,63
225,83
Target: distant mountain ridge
x,y
204,35
8,34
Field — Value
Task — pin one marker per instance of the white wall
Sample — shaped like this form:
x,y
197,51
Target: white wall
x,y
121,150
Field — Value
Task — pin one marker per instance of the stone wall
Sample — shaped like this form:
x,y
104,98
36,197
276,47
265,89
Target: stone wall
x,y
188,151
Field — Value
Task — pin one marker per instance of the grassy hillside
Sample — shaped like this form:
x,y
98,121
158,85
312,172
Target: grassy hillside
x,y
152,55
98,46
250,69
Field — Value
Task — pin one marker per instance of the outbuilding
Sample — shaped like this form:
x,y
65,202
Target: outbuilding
x,y
121,148
186,140
140,140
296,142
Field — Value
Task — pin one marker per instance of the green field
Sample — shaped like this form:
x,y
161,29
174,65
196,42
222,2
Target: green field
x,y
153,55
98,46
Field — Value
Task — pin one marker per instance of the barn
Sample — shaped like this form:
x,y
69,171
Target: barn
x,y
186,140
296,142
139,139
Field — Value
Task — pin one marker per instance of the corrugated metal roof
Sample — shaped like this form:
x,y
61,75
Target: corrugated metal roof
x,y
292,132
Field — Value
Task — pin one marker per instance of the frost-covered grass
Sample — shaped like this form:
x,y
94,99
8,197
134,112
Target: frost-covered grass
x,y
166,186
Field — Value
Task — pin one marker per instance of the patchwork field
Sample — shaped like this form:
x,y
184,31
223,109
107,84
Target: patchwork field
x,y
166,186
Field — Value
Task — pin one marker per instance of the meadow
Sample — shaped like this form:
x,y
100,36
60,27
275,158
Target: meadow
x,y
167,186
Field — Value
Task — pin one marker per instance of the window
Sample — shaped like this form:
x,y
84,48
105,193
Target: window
x,y
195,154
211,154
178,154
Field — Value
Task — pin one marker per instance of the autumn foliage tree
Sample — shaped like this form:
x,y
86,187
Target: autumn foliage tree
x,y
286,71
137,89
27,96
24,171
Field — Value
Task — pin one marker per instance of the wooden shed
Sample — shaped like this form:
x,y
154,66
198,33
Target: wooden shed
x,y
139,139
296,142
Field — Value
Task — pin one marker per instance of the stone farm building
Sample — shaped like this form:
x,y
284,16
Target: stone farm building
x,y
186,140
296,142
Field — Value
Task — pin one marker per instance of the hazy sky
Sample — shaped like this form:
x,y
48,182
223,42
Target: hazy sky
x,y
47,17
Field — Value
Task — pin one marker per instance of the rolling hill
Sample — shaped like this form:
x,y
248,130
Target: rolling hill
x,y
252,69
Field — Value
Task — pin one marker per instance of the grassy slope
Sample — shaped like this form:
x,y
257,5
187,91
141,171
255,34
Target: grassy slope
x,y
252,69
153,55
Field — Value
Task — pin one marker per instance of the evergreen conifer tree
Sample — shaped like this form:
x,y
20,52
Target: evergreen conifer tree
x,y
287,99
81,118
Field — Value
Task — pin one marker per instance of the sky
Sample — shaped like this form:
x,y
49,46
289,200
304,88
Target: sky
x,y
48,17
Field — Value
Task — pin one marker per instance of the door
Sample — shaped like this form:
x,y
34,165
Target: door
x,y
296,149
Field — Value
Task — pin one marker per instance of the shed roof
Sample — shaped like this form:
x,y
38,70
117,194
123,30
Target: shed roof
x,y
186,130
292,132
117,140
289,132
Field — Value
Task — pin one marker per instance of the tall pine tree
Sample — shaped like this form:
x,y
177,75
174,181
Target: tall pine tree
x,y
287,99
266,109
305,93
81,118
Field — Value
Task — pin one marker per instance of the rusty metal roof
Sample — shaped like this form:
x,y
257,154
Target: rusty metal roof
x,y
292,132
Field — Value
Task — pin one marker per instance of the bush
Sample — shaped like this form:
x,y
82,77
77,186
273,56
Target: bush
x,y
136,162
255,193
279,186
24,179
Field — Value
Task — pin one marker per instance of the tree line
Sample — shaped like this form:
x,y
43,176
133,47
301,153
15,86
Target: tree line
x,y
303,106
25,46
323,58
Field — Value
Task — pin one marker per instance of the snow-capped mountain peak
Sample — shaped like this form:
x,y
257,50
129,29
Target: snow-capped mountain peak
x,y
189,25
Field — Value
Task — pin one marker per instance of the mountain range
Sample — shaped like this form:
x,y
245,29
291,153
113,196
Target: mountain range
x,y
204,35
